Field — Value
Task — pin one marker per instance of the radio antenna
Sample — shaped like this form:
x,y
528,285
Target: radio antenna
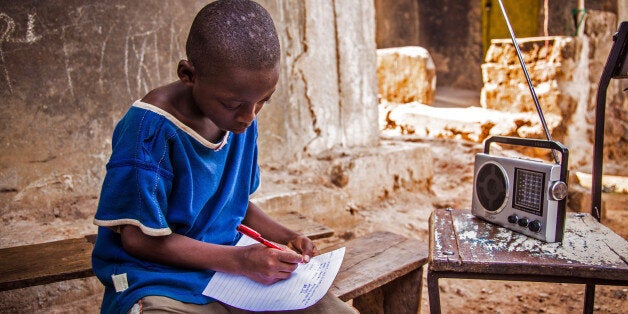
x,y
527,75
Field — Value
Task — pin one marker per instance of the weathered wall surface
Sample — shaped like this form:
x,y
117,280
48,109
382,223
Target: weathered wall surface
x,y
397,23
70,69
327,91
456,47
561,20
451,31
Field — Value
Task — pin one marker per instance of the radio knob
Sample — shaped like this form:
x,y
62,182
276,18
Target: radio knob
x,y
558,190
513,219
523,222
535,226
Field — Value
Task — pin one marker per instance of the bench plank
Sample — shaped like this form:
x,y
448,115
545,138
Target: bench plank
x,y
304,225
44,263
382,272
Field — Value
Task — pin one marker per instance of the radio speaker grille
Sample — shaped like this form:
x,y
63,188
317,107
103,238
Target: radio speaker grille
x,y
491,187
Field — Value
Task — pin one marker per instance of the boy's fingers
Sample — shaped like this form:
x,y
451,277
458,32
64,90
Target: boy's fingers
x,y
290,256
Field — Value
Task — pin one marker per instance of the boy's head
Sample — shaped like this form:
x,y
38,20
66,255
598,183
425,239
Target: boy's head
x,y
233,63
228,33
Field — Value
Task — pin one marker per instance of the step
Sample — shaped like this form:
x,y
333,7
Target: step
x,y
331,186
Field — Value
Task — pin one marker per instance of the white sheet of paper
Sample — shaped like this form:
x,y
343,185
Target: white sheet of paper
x,y
307,284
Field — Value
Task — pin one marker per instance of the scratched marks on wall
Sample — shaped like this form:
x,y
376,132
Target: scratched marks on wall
x,y
151,53
88,50
9,35
140,52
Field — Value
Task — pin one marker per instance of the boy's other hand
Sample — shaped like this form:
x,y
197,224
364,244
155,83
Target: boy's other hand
x,y
267,265
305,246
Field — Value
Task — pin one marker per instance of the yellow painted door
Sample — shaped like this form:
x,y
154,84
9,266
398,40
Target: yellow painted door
x,y
523,14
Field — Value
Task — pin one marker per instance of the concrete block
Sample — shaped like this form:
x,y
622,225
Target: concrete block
x,y
406,74
374,174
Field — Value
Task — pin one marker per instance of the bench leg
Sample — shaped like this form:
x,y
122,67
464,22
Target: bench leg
x,y
402,295
433,292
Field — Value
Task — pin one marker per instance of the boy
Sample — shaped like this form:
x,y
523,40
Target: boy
x,y
183,164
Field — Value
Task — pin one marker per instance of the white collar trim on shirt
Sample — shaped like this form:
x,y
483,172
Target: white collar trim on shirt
x,y
182,126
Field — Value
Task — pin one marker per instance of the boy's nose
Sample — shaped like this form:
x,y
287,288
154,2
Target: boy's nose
x,y
248,113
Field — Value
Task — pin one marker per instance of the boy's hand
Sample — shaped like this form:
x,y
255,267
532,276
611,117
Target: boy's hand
x,y
303,245
266,265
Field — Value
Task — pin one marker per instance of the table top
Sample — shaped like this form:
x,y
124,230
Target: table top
x,y
461,242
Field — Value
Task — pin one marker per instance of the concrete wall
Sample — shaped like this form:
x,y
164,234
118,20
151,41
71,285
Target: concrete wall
x,y
70,69
327,94
397,23
455,47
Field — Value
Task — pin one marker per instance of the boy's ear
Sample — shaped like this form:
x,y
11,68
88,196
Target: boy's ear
x,y
186,72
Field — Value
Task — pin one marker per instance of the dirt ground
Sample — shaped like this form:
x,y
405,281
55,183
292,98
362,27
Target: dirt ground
x,y
452,187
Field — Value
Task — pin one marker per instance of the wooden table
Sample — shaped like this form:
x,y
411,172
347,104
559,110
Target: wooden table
x,y
464,246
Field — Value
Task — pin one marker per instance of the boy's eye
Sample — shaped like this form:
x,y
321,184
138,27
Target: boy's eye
x,y
231,106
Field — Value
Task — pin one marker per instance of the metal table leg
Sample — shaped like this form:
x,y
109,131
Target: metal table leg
x,y
433,291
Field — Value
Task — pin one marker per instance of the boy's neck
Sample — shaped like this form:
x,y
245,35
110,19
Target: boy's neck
x,y
176,99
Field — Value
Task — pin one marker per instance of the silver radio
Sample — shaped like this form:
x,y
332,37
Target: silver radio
x,y
526,196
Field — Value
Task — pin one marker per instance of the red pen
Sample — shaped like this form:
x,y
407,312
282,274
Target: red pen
x,y
256,236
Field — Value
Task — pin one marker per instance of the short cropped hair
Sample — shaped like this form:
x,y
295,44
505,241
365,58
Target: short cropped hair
x,y
228,33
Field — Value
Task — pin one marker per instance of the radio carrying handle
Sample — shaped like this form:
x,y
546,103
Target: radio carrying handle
x,y
529,142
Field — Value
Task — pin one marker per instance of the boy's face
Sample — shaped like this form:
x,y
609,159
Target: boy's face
x,y
232,97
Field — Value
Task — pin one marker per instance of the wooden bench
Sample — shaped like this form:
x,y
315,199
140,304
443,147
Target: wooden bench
x,y
38,264
381,272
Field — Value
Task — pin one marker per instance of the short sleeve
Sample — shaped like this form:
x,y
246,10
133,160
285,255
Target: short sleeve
x,y
136,194
139,176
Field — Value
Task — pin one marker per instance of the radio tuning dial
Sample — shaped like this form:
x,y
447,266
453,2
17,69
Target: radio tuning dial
x,y
558,190
523,222
535,226
513,219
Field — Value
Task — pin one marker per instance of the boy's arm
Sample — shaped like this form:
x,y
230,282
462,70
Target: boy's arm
x,y
257,262
274,231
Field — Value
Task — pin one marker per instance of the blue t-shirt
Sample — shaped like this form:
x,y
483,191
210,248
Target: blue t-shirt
x,y
165,178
